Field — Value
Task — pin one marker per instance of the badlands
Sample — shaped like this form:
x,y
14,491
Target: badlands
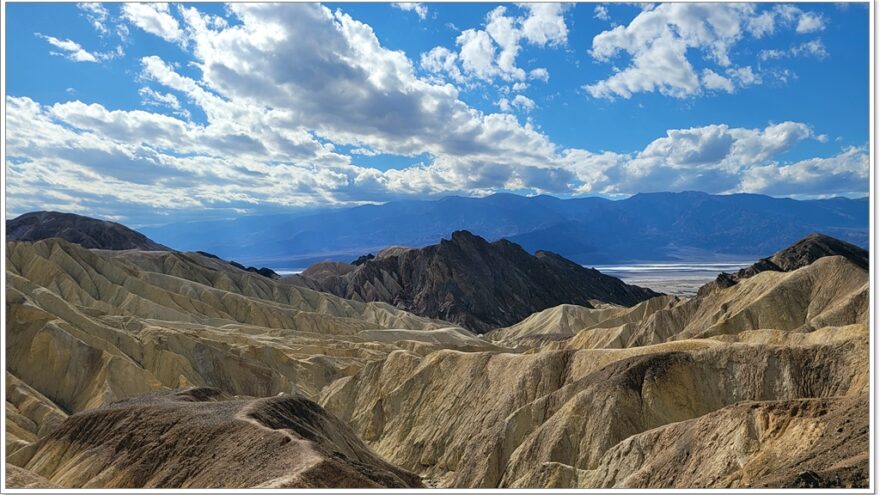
x,y
132,367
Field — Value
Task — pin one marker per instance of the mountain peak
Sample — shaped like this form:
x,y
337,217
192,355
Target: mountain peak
x,y
815,246
88,232
474,283
800,254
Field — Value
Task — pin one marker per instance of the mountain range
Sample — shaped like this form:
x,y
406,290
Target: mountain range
x,y
687,226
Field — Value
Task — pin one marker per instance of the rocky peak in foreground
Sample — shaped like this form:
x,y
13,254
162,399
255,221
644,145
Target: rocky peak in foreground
x,y
88,232
469,281
800,254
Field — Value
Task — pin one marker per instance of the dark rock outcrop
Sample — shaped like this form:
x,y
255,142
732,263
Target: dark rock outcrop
x,y
471,282
266,272
88,232
798,255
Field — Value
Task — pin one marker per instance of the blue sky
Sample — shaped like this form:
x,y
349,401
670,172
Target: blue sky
x,y
152,112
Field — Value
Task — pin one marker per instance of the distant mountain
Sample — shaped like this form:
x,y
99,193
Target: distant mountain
x,y
88,232
644,227
800,254
471,282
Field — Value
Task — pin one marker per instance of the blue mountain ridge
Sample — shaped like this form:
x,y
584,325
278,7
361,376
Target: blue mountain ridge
x,y
688,226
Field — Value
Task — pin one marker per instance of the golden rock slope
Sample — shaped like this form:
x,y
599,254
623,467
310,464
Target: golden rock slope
x,y
505,419
744,386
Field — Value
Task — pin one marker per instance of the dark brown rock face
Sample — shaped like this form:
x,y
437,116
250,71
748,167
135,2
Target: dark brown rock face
x,y
88,232
202,438
798,255
471,282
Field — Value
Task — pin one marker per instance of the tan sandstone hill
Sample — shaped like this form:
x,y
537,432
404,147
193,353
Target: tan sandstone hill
x,y
90,327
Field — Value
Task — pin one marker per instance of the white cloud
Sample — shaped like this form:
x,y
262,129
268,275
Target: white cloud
x,y
490,53
810,23
714,158
154,18
845,173
153,98
744,76
660,41
442,60
715,81
540,74
814,48
762,24
420,9
477,53
601,13
545,24
72,50
97,16
787,16
523,103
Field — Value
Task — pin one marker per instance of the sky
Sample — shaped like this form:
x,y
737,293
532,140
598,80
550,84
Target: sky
x,y
153,113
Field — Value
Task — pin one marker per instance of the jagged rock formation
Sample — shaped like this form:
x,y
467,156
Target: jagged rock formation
x,y
499,418
800,254
198,438
29,414
88,232
471,282
17,477
518,420
802,443
830,292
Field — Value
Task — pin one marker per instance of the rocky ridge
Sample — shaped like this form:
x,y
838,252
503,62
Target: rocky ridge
x,y
471,282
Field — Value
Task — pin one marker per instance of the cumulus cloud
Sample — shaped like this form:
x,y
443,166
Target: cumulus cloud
x,y
520,102
844,173
659,42
490,53
601,13
810,23
713,80
784,16
420,9
154,18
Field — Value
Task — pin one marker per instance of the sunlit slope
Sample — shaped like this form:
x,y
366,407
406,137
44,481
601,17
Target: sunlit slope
x,y
546,417
89,327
